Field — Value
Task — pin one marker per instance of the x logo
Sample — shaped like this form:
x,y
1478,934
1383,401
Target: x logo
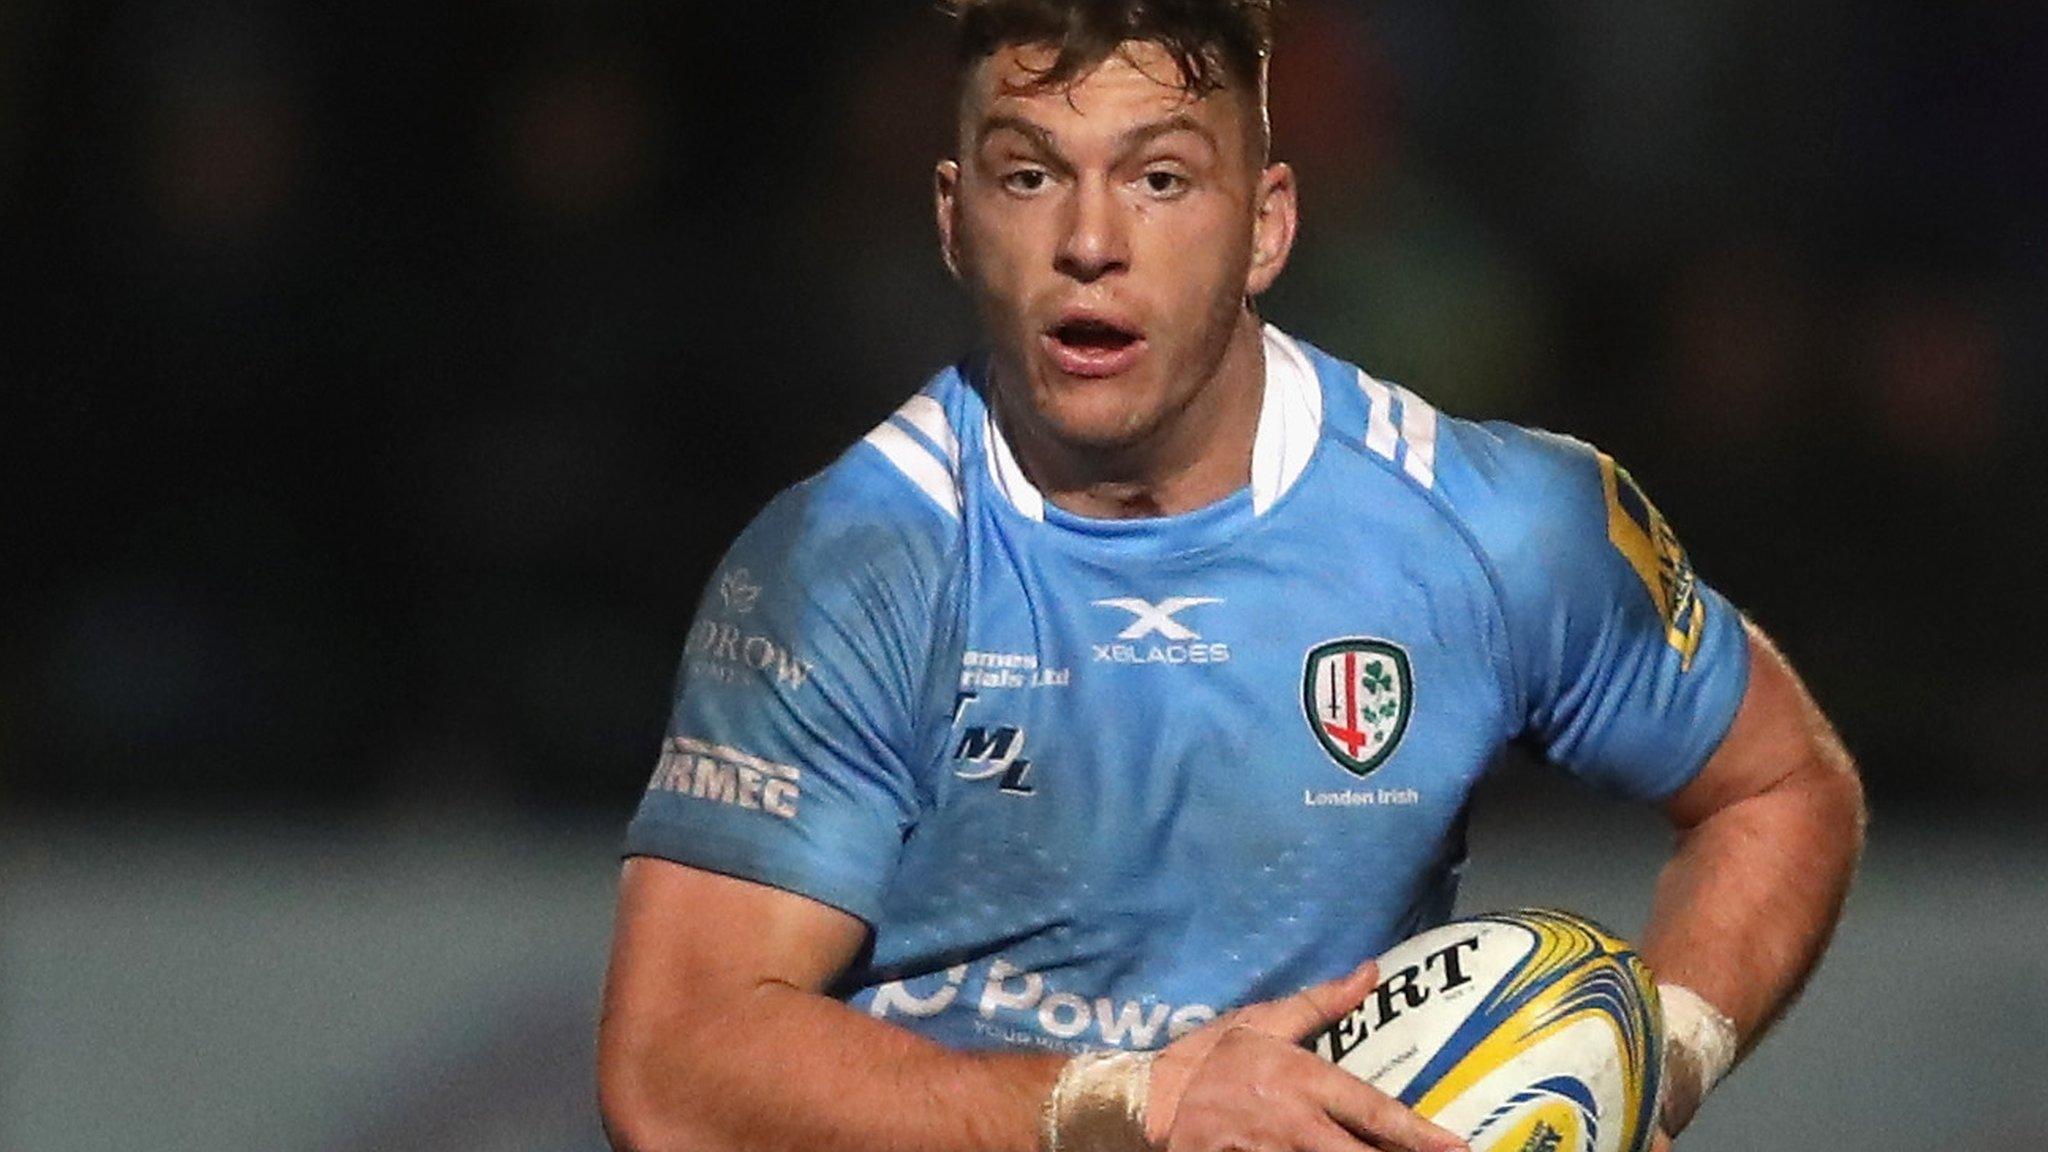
x,y
1157,617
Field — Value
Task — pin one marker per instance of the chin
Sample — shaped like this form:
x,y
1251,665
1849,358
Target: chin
x,y
1097,437
1101,414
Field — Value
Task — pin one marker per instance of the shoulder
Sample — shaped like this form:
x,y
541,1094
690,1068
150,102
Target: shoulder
x,y
1557,516
1574,543
840,582
1538,509
1623,665
886,512
1492,479
1545,509
1507,481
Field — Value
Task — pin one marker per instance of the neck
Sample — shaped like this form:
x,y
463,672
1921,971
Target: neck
x,y
1197,455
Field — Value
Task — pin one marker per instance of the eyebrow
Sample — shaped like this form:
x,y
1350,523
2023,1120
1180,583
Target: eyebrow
x,y
1129,140
1178,122
1036,133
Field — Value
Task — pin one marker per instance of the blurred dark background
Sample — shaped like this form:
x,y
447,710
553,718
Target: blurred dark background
x,y
380,382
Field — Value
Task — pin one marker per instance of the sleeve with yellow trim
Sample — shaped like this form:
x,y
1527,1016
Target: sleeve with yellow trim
x,y
1627,668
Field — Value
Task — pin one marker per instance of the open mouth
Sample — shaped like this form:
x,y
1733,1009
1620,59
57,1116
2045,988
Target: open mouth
x,y
1093,346
1093,334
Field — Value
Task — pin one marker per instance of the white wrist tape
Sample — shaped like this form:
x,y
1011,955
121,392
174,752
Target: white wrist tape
x,y
1699,1030
1098,1104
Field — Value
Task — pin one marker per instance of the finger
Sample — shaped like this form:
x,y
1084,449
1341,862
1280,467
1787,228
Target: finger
x,y
1328,1136
1376,1116
1314,1008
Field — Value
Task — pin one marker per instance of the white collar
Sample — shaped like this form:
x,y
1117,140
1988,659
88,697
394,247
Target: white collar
x,y
1290,422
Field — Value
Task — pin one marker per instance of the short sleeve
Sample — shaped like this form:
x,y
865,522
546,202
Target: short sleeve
x,y
784,761
1630,667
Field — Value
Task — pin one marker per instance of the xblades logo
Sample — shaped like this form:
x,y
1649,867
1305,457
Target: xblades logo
x,y
1177,643
1157,617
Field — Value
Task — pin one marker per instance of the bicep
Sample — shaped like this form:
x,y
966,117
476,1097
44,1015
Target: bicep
x,y
690,943
1779,739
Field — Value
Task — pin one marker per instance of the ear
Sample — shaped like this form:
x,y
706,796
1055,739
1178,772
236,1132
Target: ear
x,y
1273,223
946,201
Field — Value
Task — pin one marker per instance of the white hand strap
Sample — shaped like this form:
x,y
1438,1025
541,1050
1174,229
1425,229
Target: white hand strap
x,y
1699,1049
1098,1104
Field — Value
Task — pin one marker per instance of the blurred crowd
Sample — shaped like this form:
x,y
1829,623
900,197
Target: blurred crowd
x,y
382,380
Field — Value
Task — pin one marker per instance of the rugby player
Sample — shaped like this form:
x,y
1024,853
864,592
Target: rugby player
x,y
1046,768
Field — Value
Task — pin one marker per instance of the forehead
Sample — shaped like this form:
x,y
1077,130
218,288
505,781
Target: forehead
x,y
1138,83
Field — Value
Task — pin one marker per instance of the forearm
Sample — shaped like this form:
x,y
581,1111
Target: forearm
x,y
784,1069
1748,901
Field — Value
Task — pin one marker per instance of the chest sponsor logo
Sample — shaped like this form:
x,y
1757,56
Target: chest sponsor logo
x,y
990,751
1357,693
1156,635
1018,1007
994,670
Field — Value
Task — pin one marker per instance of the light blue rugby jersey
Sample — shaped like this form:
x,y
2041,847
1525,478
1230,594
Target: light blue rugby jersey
x,y
1092,782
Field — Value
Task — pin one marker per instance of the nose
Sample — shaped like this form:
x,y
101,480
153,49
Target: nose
x,y
1095,242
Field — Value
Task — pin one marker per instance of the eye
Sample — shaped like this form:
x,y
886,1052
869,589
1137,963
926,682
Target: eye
x,y
1165,183
1025,181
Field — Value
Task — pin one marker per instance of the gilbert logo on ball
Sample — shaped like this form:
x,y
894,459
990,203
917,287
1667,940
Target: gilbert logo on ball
x,y
1530,1031
1357,693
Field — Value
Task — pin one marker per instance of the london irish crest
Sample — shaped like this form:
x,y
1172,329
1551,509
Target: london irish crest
x,y
1357,693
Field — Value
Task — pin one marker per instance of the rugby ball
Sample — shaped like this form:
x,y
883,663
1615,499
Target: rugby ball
x,y
1530,1031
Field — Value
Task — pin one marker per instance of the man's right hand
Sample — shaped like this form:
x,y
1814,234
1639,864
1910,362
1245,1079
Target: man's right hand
x,y
1244,1083
718,1033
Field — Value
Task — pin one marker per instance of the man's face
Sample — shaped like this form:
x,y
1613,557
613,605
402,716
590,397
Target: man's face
x,y
1110,233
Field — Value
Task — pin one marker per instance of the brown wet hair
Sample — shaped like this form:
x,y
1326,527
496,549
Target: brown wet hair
x,y
1215,43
